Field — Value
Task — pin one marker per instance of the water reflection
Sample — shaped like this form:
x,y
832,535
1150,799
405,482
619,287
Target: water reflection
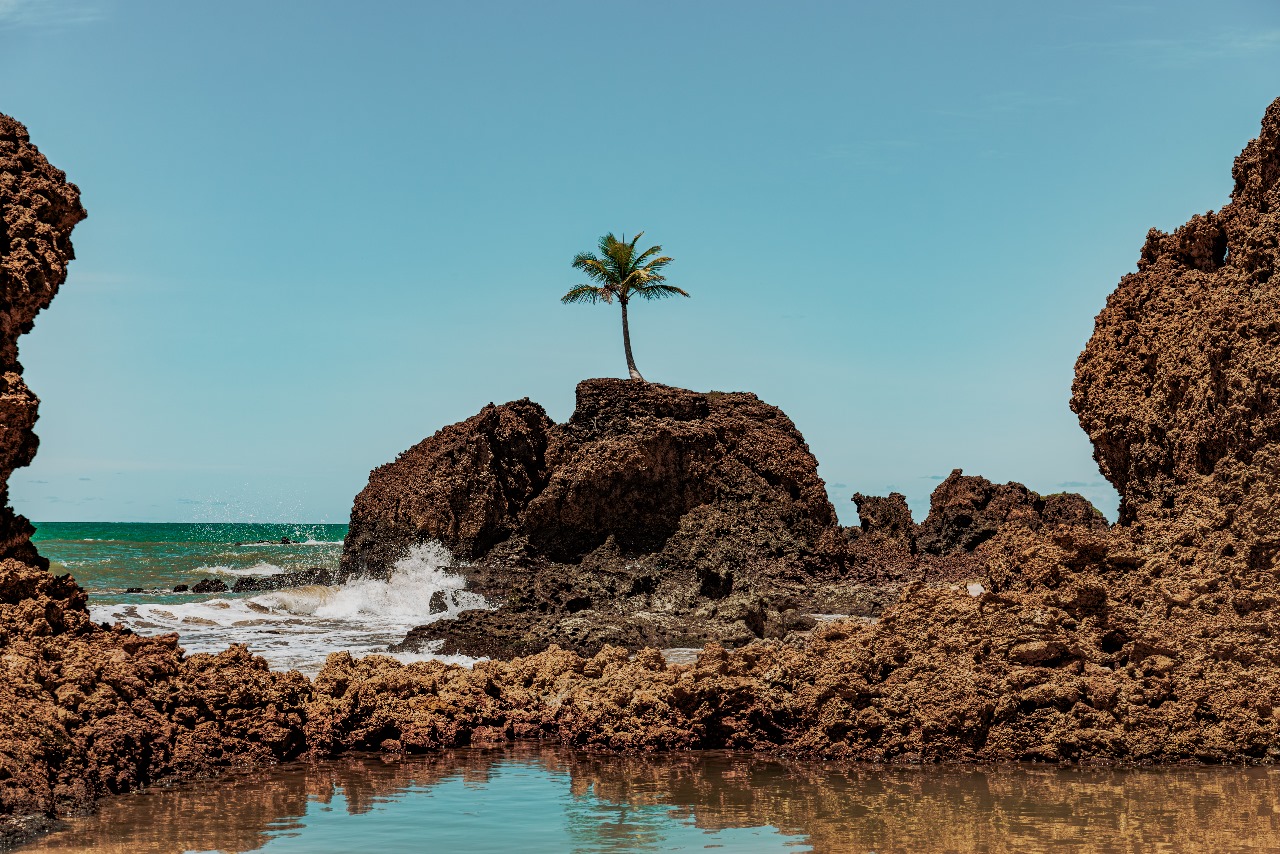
x,y
548,799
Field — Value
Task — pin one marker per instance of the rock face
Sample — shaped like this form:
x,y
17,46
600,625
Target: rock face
x,y
38,209
658,516
630,465
1177,388
654,516
965,511
484,472
636,460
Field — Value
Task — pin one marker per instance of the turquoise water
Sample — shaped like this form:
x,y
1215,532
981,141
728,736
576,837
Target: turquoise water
x,y
294,628
109,557
543,800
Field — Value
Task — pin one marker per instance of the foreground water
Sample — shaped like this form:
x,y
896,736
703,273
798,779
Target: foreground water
x,y
293,628
533,799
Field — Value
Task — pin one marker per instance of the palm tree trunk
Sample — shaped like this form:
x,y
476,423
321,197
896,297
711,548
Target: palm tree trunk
x,y
626,345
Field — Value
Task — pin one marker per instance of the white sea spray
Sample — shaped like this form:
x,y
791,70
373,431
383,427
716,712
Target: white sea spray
x,y
297,628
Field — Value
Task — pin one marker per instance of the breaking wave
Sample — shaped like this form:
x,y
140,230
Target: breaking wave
x,y
297,628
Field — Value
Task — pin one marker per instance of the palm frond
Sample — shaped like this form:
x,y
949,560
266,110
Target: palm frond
x,y
587,293
658,291
619,271
646,253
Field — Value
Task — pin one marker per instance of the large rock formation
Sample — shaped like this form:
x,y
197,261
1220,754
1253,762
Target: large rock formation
x,y
1179,387
965,511
655,515
631,465
38,209
484,472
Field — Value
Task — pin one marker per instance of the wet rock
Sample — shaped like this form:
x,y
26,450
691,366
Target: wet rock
x,y
284,580
465,486
209,585
633,461
180,588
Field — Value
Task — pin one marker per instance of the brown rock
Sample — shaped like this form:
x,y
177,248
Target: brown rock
x,y
631,463
635,458
1177,386
889,516
38,209
966,511
465,486
629,519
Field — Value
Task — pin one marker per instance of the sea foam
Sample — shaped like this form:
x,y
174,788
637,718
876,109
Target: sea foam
x,y
297,628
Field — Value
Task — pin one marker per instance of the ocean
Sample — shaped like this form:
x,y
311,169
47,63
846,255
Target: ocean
x,y
293,629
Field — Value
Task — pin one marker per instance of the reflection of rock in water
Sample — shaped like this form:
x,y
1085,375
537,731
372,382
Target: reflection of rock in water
x,y
835,807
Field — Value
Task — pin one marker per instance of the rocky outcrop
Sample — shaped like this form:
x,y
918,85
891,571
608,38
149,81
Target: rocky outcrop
x,y
636,460
484,472
965,511
1177,388
38,209
630,466
659,516
654,516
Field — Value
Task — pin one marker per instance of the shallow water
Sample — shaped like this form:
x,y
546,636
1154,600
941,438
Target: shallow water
x,y
294,629
533,799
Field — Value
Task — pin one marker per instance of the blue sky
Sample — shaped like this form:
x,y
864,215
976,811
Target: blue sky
x,y
320,231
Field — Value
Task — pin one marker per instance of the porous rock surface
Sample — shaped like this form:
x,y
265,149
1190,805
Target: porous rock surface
x,y
631,463
654,516
965,511
659,516
1179,387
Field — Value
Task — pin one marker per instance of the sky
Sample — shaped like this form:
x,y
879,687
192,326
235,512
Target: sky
x,y
318,232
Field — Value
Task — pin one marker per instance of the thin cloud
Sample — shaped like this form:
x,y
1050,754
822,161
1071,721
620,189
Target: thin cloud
x,y
1079,484
1185,52
47,13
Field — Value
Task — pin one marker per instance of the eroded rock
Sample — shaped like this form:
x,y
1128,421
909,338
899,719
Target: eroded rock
x,y
1177,388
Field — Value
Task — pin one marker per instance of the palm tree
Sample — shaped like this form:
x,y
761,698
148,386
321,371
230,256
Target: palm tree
x,y
620,273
